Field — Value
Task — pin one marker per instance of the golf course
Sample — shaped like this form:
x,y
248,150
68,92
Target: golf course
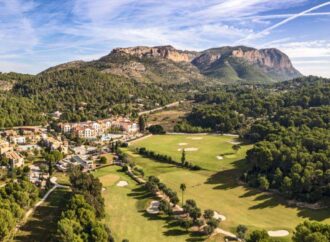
x,y
216,186
126,211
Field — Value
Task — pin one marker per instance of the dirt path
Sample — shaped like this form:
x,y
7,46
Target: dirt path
x,y
43,199
174,104
139,139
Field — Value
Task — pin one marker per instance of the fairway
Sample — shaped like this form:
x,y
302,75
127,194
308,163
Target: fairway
x,y
202,150
126,215
217,186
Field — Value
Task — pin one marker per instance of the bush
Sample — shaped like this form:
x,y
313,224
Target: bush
x,y
103,160
213,222
241,231
207,230
208,214
259,236
156,129
185,223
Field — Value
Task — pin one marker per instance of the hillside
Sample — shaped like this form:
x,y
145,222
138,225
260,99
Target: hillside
x,y
130,80
86,93
167,65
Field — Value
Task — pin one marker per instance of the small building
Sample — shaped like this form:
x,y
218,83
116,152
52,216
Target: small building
x,y
86,164
20,140
66,128
5,146
16,159
56,115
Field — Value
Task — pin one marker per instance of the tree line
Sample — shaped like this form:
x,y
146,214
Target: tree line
x,y
168,159
15,199
81,220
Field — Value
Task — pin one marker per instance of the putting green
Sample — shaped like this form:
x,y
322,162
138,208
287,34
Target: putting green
x,y
217,187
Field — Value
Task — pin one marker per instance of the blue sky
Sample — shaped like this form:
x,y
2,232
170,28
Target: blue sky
x,y
37,34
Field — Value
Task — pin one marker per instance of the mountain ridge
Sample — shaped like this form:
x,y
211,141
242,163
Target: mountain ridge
x,y
168,65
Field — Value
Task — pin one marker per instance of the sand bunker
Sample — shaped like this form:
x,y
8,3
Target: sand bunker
x,y
234,142
188,149
122,184
278,233
219,157
195,138
181,144
153,208
219,216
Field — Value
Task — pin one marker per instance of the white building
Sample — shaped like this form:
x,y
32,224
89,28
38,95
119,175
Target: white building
x,y
20,140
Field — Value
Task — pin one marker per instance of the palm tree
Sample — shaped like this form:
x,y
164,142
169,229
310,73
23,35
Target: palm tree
x,y
182,188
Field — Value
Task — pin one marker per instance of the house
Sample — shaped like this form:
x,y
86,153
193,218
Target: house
x,y
5,146
20,140
66,128
129,126
86,164
56,115
86,133
17,159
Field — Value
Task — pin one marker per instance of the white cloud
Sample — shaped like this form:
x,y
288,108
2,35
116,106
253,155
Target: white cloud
x,y
16,30
306,49
85,29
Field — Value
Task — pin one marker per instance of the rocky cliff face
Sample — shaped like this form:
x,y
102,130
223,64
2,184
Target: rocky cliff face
x,y
167,52
269,64
272,58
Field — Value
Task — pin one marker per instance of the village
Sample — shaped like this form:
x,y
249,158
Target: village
x,y
36,152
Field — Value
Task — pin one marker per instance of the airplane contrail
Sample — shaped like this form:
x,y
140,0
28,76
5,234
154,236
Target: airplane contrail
x,y
267,30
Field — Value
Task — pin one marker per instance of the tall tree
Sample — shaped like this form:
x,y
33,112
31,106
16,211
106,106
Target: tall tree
x,y
142,123
183,188
183,157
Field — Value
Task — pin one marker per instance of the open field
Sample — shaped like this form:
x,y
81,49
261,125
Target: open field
x,y
169,117
42,225
62,178
125,211
217,187
109,157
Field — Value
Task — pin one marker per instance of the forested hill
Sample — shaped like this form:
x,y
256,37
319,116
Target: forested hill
x,y
87,93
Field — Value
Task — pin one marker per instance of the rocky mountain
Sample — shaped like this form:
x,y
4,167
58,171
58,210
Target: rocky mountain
x,y
244,63
167,65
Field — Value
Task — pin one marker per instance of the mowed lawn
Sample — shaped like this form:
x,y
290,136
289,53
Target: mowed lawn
x,y
211,152
125,211
218,187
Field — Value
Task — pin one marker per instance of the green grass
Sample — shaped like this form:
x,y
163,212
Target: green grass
x,y
42,225
125,212
62,178
209,147
217,187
